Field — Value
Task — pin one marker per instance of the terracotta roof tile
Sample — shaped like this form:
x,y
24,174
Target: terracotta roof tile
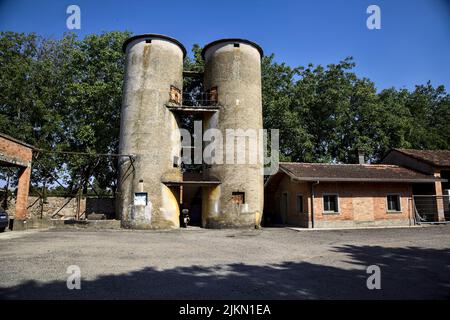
x,y
439,158
353,172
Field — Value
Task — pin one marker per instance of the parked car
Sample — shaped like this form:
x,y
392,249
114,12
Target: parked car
x,y
4,221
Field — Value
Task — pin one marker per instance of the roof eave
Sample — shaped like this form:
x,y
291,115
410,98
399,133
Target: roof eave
x,y
7,137
367,180
419,158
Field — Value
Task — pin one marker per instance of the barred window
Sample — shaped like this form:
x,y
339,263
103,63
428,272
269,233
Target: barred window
x,y
393,202
238,197
330,203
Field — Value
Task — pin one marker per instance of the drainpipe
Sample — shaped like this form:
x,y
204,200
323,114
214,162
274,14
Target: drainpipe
x,y
312,203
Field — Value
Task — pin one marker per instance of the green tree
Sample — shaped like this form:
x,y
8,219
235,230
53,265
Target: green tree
x,y
92,116
282,110
65,95
429,107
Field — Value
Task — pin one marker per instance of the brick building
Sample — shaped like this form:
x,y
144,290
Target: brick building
x,y
431,162
342,195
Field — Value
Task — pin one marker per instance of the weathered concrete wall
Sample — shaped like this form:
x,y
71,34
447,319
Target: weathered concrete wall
x,y
146,132
236,72
360,204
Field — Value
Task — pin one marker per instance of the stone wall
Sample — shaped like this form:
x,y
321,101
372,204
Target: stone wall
x,y
65,208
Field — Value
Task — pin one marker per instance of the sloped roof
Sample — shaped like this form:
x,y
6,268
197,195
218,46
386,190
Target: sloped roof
x,y
440,158
353,172
7,137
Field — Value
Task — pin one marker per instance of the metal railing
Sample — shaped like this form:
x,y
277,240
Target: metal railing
x,y
198,99
194,97
428,209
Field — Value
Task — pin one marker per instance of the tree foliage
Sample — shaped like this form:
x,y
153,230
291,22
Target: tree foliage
x,y
330,114
65,95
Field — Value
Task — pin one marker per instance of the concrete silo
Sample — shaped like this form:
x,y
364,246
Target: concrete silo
x,y
154,66
233,70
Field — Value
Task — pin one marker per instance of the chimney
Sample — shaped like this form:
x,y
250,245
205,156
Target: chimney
x,y
361,157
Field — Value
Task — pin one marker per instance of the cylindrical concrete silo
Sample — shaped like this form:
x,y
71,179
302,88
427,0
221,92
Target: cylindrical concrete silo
x,y
233,68
154,63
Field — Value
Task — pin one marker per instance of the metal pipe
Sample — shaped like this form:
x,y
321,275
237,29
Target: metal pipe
x,y
131,156
312,203
181,194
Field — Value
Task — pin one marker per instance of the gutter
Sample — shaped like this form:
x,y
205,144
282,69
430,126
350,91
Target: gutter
x,y
312,203
430,180
425,179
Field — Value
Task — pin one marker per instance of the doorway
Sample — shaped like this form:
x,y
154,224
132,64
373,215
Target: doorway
x,y
284,207
192,200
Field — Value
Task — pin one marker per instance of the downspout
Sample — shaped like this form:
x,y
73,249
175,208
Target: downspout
x,y
312,203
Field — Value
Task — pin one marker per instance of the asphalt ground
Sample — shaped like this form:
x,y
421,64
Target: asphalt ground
x,y
272,263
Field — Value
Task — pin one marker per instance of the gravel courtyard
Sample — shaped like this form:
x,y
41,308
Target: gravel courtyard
x,y
273,263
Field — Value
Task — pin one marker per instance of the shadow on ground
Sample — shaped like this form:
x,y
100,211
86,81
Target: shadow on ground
x,y
406,273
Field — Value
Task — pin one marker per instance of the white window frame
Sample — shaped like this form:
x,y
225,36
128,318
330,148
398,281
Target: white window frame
x,y
337,202
399,203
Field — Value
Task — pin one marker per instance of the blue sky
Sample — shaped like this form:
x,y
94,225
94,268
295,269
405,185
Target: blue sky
x,y
412,47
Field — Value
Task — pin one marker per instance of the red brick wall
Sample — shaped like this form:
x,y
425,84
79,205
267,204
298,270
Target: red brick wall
x,y
363,201
273,202
15,150
358,202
